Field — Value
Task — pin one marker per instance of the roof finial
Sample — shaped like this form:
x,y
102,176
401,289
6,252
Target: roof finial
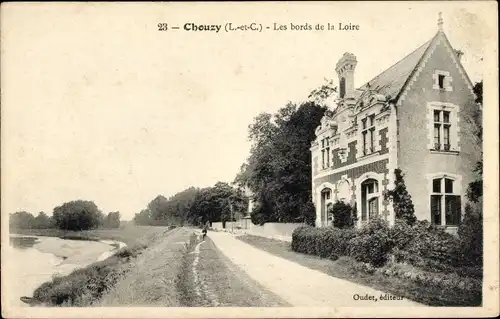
x,y
440,21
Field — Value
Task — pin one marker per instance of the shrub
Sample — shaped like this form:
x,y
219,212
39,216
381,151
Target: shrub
x,y
445,281
323,242
333,243
343,216
401,234
299,238
424,245
372,243
470,234
401,199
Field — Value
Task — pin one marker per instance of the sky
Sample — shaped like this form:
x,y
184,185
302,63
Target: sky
x,y
97,104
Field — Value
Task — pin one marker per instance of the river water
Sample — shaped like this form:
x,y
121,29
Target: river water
x,y
31,261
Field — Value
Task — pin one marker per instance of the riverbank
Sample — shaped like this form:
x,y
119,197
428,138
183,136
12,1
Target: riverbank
x,y
80,286
128,234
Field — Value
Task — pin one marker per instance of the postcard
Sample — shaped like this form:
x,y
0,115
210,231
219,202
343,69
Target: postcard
x,y
249,160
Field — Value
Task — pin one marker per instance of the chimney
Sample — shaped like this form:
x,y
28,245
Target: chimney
x,y
459,55
345,70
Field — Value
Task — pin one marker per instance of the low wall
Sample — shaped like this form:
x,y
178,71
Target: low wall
x,y
280,231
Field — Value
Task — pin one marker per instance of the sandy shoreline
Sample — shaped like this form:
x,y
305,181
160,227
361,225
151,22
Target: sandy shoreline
x,y
76,252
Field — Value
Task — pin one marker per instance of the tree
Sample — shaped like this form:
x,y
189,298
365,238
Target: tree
x,y
21,220
323,93
308,211
213,204
143,218
77,215
42,221
112,220
180,204
475,188
278,170
401,199
159,208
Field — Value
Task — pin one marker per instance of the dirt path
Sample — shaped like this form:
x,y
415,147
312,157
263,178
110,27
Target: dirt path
x,y
211,280
296,284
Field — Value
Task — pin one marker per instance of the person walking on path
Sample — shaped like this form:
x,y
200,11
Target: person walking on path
x,y
205,230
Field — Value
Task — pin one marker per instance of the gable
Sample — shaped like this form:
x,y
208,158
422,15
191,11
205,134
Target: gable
x,y
448,60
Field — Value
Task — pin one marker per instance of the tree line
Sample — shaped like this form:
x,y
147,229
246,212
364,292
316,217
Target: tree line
x,y
195,206
75,215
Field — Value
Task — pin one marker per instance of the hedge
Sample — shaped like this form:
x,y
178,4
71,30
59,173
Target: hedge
x,y
422,245
372,243
323,242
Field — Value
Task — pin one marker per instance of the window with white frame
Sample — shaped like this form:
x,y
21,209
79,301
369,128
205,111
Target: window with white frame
x,y
369,199
443,127
368,134
325,152
445,202
326,200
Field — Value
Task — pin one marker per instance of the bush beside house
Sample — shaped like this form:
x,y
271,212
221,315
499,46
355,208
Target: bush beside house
x,y
421,252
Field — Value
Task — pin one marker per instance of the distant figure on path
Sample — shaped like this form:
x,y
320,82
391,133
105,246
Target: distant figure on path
x,y
205,229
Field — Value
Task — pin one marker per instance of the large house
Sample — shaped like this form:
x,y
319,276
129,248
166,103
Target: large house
x,y
414,116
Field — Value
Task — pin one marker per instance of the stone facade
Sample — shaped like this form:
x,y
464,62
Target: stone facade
x,y
414,116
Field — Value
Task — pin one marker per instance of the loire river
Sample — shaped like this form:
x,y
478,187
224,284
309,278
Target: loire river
x,y
31,261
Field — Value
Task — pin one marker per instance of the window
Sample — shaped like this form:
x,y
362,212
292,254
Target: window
x,y
325,205
325,152
342,88
445,203
369,199
368,134
441,81
442,127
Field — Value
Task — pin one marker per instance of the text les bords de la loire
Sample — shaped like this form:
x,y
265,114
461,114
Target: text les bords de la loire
x,y
234,27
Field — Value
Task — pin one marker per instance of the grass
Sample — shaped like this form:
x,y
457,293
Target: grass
x,y
153,277
220,282
345,268
86,286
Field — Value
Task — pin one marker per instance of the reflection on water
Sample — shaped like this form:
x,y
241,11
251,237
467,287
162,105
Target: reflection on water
x,y
31,261
27,268
22,242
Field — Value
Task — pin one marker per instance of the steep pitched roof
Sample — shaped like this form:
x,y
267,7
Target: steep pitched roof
x,y
392,81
